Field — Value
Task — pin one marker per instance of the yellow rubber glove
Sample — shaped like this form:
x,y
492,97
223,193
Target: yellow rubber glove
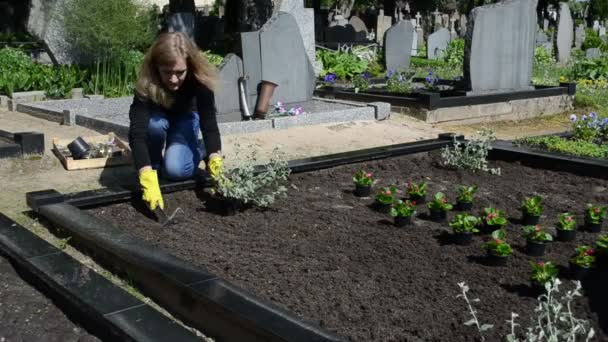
x,y
151,190
216,166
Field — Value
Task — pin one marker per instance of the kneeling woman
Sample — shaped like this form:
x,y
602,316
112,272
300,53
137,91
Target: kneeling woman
x,y
173,101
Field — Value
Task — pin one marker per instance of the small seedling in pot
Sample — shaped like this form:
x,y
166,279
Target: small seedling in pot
x,y
464,202
494,219
417,192
601,247
542,273
498,249
403,211
385,199
363,183
582,262
439,207
464,226
532,209
536,240
566,227
594,217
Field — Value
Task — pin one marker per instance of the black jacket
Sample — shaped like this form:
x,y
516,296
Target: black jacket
x,y
191,97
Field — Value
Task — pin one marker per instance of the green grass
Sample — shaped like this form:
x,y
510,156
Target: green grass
x,y
562,145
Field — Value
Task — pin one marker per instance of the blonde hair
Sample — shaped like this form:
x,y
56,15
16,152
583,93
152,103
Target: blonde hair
x,y
165,51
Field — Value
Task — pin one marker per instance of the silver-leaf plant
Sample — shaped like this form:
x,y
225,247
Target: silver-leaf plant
x,y
249,182
471,155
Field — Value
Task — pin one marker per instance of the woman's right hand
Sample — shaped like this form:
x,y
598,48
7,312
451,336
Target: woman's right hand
x,y
148,179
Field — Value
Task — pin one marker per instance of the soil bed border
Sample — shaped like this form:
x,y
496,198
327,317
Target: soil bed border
x,y
205,301
21,143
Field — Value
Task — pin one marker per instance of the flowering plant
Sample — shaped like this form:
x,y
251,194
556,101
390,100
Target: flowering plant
x,y
403,209
361,82
566,222
495,217
601,245
589,127
498,245
439,203
279,108
416,190
464,223
536,234
532,206
399,82
543,272
595,214
363,178
431,81
330,78
585,257
465,193
386,195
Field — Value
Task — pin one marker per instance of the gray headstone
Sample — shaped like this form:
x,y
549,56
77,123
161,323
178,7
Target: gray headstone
x,y
414,51
437,43
565,34
602,31
420,37
579,36
358,24
383,23
227,95
284,60
305,18
499,47
397,45
596,25
44,23
181,22
541,37
252,62
463,25
545,24
593,53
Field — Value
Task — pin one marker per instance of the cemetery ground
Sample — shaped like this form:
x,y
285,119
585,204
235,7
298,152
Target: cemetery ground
x,y
37,173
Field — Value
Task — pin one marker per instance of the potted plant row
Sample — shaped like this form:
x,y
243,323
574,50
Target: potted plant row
x,y
594,217
498,249
463,227
566,227
363,183
582,262
494,219
403,211
542,273
536,240
464,201
532,209
439,207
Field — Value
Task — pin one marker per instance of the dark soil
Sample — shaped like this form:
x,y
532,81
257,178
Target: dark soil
x,y
27,315
325,255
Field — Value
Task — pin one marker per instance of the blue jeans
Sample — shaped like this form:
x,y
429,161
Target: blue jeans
x,y
178,136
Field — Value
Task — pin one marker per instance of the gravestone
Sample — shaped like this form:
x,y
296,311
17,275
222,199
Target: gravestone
x,y
383,23
437,43
284,60
453,33
252,62
593,53
543,40
437,21
545,24
227,94
463,25
414,51
565,34
305,18
357,24
181,22
419,31
596,25
44,23
602,31
397,45
579,36
499,47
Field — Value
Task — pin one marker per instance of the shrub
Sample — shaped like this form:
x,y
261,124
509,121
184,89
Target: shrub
x,y
454,53
344,64
542,56
471,155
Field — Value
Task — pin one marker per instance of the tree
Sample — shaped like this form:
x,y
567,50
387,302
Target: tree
x,y
177,6
598,9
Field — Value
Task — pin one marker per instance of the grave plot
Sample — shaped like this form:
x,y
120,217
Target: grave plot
x,y
325,258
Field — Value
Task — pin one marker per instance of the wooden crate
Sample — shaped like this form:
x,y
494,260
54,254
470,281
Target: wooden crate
x,y
61,151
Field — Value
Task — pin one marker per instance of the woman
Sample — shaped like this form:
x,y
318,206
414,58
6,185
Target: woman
x,y
173,101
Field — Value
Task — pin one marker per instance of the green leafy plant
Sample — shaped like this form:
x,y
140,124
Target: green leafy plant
x,y
562,145
399,82
361,82
543,56
250,183
498,246
344,64
601,245
363,178
403,208
62,81
386,195
543,272
495,217
213,58
566,221
466,193
464,223
439,203
454,53
416,190
584,257
532,206
595,213
536,234
471,155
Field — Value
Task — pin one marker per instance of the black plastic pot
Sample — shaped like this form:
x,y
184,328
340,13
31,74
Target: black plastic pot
x,y
418,199
496,260
438,216
534,248
580,273
537,289
593,227
402,221
529,220
464,206
362,190
462,239
566,235
383,208
79,148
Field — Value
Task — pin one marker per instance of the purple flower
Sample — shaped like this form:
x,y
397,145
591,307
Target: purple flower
x,y
366,75
593,115
573,117
584,117
331,78
390,73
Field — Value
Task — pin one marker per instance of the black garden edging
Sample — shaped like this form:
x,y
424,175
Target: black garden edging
x,y
432,101
19,144
102,307
207,302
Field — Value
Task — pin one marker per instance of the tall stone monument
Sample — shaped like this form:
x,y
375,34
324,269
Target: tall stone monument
x,y
565,34
499,47
398,45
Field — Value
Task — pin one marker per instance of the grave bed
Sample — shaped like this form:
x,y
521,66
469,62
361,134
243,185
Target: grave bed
x,y
325,256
